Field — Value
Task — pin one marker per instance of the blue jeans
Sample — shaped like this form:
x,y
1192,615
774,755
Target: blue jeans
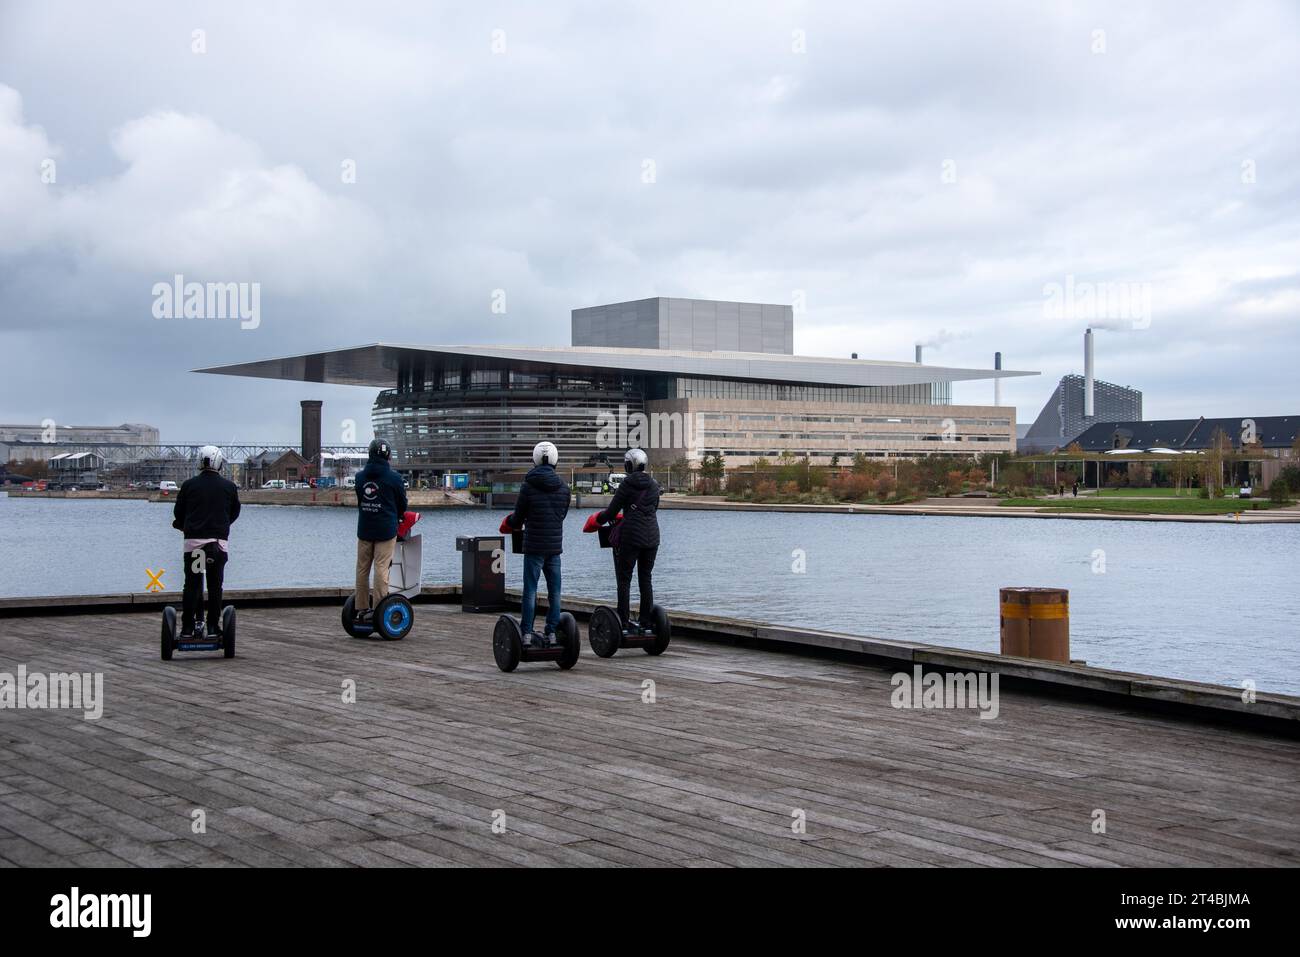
x,y
534,565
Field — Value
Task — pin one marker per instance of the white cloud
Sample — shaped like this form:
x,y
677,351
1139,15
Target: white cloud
x,y
777,171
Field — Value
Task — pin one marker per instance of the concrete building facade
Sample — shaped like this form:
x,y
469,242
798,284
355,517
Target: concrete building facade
x,y
689,325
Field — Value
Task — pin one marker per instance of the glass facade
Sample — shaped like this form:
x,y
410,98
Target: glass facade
x,y
490,419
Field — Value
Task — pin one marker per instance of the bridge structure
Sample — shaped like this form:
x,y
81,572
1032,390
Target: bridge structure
x,y
123,462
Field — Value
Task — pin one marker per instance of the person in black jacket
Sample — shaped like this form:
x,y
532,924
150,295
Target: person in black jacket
x,y
206,506
540,509
636,537
381,500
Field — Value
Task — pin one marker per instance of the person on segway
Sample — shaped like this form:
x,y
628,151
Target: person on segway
x,y
206,506
381,503
540,509
635,537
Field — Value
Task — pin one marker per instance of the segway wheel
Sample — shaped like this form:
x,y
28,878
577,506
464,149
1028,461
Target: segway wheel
x,y
663,631
394,617
570,640
605,631
228,631
168,632
350,626
507,643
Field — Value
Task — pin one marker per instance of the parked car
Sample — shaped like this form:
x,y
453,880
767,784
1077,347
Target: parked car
x,y
166,486
273,483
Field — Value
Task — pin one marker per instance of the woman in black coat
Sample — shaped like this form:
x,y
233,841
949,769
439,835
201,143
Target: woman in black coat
x,y
636,537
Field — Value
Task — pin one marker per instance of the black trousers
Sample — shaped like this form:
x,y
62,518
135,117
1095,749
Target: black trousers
x,y
643,560
212,562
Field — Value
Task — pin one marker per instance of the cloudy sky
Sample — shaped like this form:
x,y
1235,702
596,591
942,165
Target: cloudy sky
x,y
912,172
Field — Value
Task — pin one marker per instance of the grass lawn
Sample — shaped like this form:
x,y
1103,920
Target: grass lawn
x,y
1146,493
1137,506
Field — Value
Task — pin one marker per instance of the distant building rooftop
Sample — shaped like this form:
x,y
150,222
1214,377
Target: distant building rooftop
x,y
376,364
1271,431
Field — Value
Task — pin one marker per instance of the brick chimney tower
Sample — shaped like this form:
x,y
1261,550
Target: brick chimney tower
x,y
311,428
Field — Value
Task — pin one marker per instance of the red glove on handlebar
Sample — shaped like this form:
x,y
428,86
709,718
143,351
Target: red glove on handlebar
x,y
592,522
505,528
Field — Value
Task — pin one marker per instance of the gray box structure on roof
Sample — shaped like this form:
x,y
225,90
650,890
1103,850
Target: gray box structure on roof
x,y
691,325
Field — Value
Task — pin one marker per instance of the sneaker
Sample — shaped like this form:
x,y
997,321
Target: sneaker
x,y
363,616
549,638
214,634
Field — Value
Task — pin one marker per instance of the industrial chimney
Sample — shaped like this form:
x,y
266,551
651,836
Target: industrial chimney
x,y
311,428
918,353
997,383
1087,374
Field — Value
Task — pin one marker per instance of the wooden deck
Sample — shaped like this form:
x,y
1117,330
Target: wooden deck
x,y
712,773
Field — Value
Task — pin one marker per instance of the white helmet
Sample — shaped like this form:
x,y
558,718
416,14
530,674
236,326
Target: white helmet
x,y
545,452
211,457
635,460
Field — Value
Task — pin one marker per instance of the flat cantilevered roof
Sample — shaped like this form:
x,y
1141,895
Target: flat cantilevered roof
x,y
377,364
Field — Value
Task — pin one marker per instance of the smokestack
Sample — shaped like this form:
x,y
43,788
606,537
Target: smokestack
x,y
997,383
855,355
310,428
1087,374
918,353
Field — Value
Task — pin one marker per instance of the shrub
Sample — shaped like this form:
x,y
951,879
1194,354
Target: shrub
x,y
851,487
885,487
1279,491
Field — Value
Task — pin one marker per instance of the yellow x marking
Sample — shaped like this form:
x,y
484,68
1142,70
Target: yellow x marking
x,y
154,583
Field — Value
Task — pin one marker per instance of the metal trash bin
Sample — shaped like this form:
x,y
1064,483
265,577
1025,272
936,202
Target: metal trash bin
x,y
482,572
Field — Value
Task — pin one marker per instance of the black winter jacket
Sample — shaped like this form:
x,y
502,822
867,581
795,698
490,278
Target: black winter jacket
x,y
638,499
206,506
381,500
540,509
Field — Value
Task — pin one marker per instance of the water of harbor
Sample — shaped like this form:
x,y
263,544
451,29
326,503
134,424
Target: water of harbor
x,y
1207,602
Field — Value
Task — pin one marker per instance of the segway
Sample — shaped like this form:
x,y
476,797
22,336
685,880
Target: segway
x,y
607,635
201,641
509,649
605,632
393,617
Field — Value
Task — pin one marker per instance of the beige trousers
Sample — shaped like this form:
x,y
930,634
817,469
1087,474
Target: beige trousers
x,y
380,554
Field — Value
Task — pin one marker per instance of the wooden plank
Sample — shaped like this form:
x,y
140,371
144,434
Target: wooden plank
x,y
738,738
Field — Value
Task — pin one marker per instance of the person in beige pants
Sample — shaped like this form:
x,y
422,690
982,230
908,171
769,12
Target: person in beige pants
x,y
380,555
381,500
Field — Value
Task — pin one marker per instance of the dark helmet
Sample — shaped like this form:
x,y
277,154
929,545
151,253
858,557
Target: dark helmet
x,y
379,449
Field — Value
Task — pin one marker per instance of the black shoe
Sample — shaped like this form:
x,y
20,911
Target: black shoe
x,y
187,634
214,634
363,617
